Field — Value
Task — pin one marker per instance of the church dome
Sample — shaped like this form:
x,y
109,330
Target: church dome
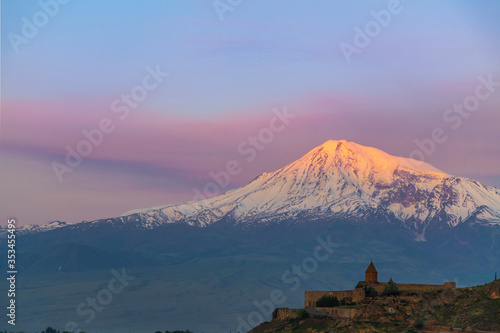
x,y
371,268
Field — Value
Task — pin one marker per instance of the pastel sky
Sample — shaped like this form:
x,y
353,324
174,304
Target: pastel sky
x,y
67,72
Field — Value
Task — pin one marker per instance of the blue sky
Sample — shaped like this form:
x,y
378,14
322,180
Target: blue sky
x,y
93,48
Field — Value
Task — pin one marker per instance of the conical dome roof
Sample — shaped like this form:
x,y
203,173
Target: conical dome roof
x,y
371,268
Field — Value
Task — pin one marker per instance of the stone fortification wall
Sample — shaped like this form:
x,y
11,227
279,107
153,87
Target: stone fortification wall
x,y
423,287
311,297
284,313
347,313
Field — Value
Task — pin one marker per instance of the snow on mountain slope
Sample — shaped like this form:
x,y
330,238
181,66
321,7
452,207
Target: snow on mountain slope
x,y
34,228
344,179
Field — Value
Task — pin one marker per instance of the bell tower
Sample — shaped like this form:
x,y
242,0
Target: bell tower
x,y
371,274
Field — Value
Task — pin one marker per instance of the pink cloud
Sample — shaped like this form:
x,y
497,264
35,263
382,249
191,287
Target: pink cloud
x,y
205,144
161,158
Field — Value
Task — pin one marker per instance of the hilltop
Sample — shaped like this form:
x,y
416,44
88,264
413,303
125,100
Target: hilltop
x,y
472,309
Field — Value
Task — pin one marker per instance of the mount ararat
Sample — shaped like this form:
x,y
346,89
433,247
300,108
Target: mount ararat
x,y
209,262
336,180
341,179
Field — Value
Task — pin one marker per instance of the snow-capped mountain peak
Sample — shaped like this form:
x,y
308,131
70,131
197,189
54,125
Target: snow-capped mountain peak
x,y
341,179
365,158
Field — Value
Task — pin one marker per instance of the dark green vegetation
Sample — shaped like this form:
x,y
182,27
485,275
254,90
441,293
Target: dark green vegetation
x,y
419,324
302,314
327,301
370,292
208,278
391,290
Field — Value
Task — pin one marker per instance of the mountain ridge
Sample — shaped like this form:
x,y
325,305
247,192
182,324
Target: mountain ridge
x,y
338,180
